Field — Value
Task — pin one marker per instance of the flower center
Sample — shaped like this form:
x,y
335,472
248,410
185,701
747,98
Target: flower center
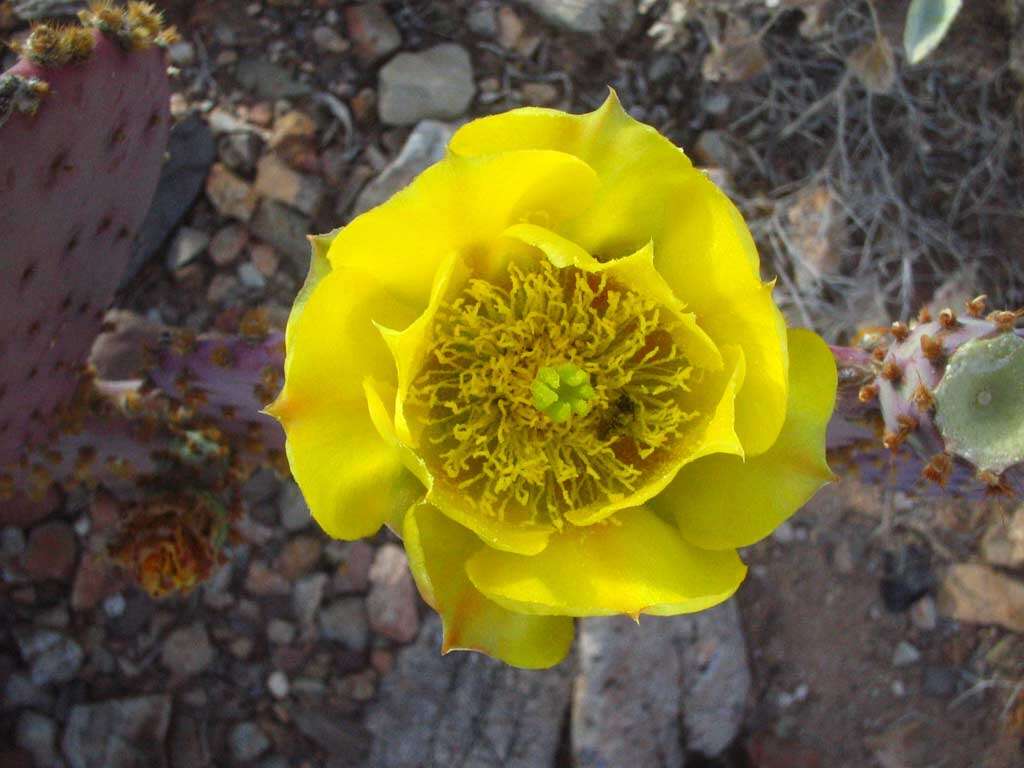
x,y
524,440
560,392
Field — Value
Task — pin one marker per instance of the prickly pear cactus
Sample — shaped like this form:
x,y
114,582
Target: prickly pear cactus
x,y
83,127
944,397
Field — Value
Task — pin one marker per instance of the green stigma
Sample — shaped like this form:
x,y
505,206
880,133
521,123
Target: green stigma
x,y
561,391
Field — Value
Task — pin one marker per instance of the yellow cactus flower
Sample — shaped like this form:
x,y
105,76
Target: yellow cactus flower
x,y
551,366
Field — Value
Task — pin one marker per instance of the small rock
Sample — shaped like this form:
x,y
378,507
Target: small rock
x,y
307,596
182,53
12,543
278,684
979,595
346,742
187,246
20,692
294,141
360,686
391,604
482,19
280,632
298,556
435,83
37,10
50,552
510,28
353,572
842,557
250,277
264,259
268,81
227,244
239,151
187,651
344,621
248,741
277,181
286,230
121,733
814,226
539,94
52,656
784,533
372,32
1003,543
37,735
189,743
262,581
94,580
231,196
425,146
329,41
905,655
593,17
295,515
221,288
924,615
939,682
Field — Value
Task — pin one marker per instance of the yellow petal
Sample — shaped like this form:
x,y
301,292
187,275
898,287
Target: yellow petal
x,y
722,502
459,205
438,549
352,480
649,191
632,563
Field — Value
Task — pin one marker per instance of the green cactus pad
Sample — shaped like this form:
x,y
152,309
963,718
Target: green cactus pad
x,y
980,402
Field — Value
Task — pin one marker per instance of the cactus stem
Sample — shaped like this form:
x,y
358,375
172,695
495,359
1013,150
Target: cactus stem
x,y
867,393
900,331
938,469
976,306
931,348
892,372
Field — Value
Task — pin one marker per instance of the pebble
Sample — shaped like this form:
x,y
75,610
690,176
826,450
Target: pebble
x,y
266,80
187,651
286,230
295,515
939,682
329,41
239,151
188,245
37,735
278,684
52,656
905,655
924,615
118,733
1003,543
307,596
280,632
261,580
482,19
353,560
539,94
248,741
227,244
182,53
250,277
277,181
299,556
435,83
373,34
391,604
265,259
12,542
510,28
231,195
611,18
50,552
345,621
20,692
221,287
977,594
